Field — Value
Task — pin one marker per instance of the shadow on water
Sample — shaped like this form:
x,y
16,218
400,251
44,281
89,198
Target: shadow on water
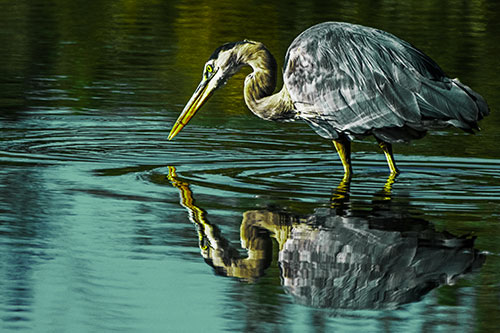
x,y
339,257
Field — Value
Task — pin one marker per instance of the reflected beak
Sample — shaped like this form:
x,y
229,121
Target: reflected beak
x,y
200,96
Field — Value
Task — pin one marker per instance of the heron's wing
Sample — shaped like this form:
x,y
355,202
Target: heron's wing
x,y
345,78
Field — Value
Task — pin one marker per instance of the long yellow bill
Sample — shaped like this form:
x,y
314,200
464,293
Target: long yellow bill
x,y
200,96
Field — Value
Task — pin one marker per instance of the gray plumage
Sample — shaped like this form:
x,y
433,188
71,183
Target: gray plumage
x,y
371,261
354,80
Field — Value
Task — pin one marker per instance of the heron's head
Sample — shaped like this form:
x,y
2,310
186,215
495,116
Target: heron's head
x,y
222,64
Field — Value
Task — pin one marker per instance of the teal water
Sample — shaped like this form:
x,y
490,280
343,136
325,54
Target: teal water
x,y
99,233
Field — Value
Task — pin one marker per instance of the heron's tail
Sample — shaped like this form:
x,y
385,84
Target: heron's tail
x,y
482,107
452,103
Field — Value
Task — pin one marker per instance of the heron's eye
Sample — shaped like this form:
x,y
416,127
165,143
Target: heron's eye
x,y
209,71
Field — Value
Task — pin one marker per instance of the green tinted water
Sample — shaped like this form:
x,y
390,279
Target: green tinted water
x,y
97,233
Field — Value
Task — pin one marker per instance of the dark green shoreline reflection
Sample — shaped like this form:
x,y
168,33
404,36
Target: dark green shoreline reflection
x,y
338,257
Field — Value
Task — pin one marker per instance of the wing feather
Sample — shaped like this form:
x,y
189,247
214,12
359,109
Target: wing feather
x,y
355,80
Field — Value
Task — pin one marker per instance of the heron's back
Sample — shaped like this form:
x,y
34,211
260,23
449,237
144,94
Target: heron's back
x,y
354,80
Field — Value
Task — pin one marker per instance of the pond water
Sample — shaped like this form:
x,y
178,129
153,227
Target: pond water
x,y
238,224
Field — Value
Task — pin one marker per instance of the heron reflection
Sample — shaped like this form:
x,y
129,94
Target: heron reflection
x,y
347,260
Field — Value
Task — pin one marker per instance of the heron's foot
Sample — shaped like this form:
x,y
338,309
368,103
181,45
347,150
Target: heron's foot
x,y
395,171
387,149
346,180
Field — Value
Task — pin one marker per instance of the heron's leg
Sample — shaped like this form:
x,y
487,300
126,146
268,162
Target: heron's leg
x,y
387,149
343,146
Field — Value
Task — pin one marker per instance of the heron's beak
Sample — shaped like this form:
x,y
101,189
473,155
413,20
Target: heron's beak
x,y
200,96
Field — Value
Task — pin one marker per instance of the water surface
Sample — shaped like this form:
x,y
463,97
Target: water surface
x,y
106,226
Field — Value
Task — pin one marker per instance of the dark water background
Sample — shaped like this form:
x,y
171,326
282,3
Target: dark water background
x,y
96,236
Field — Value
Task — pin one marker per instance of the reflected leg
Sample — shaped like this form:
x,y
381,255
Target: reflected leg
x,y
388,186
340,198
387,149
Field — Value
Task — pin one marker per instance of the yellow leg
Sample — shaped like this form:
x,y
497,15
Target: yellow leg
x,y
343,147
388,186
387,148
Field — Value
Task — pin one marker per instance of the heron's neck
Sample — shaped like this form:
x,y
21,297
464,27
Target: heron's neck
x,y
260,85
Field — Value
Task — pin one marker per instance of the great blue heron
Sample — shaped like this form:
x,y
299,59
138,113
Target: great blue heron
x,y
345,81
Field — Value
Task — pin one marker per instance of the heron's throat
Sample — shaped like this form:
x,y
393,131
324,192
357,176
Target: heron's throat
x,y
261,83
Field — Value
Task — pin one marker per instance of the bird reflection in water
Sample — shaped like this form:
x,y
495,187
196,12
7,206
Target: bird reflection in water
x,y
338,257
